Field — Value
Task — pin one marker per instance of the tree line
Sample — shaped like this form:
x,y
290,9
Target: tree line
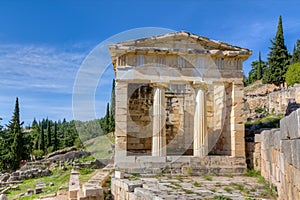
x,y
45,136
281,67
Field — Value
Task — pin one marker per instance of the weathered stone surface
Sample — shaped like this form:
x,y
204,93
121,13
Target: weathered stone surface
x,y
4,177
294,125
29,192
119,174
257,138
91,190
3,197
280,158
297,92
69,156
74,186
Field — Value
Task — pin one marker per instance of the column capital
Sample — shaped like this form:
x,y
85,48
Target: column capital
x,y
200,85
218,83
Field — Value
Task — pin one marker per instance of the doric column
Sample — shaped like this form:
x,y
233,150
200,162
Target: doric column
x,y
159,121
200,126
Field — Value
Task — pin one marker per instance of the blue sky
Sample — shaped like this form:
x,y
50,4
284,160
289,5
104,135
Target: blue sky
x,y
43,43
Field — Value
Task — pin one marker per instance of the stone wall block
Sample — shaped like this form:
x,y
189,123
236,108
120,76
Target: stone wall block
x,y
297,154
293,123
276,139
286,149
283,129
257,138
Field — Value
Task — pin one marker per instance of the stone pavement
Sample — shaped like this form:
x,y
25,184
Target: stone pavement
x,y
200,187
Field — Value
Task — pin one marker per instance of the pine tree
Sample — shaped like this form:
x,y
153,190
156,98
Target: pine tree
x,y
49,134
17,147
55,144
278,59
296,53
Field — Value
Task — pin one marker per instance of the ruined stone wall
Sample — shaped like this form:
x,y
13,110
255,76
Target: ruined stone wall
x,y
277,155
275,102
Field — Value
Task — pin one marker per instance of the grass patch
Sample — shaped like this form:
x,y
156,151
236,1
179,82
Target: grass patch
x,y
196,184
176,184
179,179
158,175
213,190
228,189
100,146
85,171
188,191
218,184
266,122
134,177
252,173
271,190
59,178
237,186
86,159
207,177
85,174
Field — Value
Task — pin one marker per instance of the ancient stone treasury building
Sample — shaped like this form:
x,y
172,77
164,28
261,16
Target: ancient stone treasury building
x,y
179,104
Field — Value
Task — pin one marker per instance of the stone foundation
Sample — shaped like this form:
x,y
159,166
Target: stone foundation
x,y
219,165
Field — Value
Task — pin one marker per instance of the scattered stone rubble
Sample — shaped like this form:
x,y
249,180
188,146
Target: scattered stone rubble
x,y
39,169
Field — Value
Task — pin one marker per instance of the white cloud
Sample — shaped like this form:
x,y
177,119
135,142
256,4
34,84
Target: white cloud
x,y
38,67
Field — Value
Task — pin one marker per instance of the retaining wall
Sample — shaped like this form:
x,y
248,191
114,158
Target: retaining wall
x,y
277,155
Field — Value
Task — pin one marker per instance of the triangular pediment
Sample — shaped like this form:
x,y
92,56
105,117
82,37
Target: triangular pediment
x,y
178,40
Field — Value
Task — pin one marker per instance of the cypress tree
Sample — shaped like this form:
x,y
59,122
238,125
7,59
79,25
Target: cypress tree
x,y
259,68
106,119
55,145
42,143
34,123
113,99
296,53
278,58
49,133
17,147
112,107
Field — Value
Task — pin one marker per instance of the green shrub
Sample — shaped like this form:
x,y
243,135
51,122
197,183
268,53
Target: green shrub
x,y
38,153
292,75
